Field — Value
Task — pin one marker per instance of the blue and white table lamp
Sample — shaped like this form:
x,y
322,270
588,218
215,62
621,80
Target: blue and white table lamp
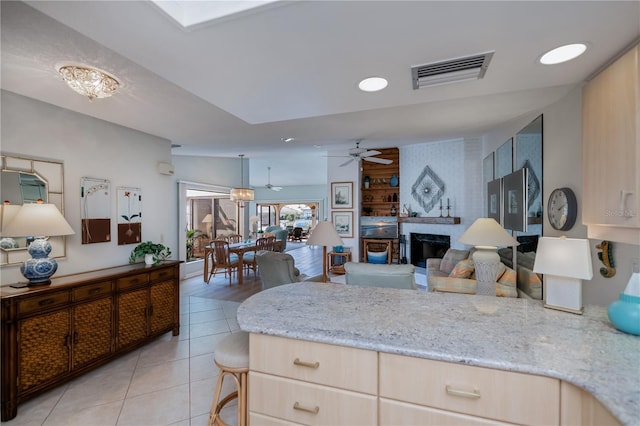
x,y
624,313
39,220
565,262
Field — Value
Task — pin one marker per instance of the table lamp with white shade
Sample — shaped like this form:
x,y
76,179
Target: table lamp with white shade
x,y
324,234
565,262
207,220
39,220
9,211
486,235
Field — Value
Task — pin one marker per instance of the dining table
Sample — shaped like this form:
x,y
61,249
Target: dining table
x,y
238,248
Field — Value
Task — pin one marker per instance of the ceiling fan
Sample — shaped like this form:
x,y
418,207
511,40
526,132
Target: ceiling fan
x,y
358,153
268,185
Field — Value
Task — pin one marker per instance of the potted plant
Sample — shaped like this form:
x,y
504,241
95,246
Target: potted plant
x,y
151,252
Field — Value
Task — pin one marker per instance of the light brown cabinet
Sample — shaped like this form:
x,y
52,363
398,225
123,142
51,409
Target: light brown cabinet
x,y
53,333
378,196
611,152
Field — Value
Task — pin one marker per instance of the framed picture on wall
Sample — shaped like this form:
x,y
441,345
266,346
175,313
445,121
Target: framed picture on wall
x,y
515,200
341,195
95,198
494,199
343,222
129,215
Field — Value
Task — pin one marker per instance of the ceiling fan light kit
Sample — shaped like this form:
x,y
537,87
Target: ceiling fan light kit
x,y
268,185
358,154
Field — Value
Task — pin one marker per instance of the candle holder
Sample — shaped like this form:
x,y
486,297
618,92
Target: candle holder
x,y
448,209
440,211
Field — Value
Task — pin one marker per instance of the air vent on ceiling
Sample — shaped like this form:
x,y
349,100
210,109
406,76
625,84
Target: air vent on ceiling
x,y
452,70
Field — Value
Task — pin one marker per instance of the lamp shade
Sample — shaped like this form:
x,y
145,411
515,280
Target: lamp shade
x,y
486,232
37,220
324,234
9,212
564,257
241,194
207,218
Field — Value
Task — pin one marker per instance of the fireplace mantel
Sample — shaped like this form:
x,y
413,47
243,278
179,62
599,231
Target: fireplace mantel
x,y
434,220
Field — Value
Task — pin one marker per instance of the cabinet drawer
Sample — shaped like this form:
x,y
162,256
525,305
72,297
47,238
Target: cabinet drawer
x,y
161,275
394,413
256,419
90,291
132,281
38,303
308,403
495,394
339,366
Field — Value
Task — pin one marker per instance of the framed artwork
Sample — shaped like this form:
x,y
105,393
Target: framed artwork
x,y
343,222
515,200
494,199
95,197
129,215
504,159
341,195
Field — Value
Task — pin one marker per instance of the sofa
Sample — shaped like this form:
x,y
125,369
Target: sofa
x,y
528,282
455,273
376,275
281,234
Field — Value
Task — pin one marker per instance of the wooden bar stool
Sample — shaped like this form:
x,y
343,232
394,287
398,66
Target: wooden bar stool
x,y
232,358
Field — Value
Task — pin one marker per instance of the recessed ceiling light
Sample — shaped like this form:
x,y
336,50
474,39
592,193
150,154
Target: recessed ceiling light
x,y
563,54
373,84
288,140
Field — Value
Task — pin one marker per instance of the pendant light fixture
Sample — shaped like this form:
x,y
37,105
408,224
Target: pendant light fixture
x,y
242,194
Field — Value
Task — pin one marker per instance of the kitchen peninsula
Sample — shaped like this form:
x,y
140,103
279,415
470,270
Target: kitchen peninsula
x,y
402,355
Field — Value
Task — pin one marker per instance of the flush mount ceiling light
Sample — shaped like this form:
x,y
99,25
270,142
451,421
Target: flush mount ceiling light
x,y
288,140
373,84
563,54
88,81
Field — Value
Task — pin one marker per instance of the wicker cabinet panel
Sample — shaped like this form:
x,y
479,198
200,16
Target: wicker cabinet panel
x,y
43,349
132,317
163,300
92,331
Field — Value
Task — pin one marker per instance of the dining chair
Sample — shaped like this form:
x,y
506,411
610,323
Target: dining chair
x,y
270,243
234,238
223,259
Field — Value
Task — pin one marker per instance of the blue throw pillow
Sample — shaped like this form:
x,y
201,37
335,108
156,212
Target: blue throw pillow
x,y
379,257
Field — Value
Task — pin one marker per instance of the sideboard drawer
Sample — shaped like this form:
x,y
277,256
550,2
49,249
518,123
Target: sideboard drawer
x,y
162,274
495,394
38,303
132,281
332,365
89,291
307,403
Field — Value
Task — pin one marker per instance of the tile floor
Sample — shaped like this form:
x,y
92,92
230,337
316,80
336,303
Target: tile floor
x,y
170,381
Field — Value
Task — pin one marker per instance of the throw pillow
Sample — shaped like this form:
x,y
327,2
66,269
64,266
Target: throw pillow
x,y
451,258
463,269
501,270
506,285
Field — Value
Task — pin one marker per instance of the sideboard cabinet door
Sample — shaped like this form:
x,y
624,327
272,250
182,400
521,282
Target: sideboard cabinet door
x,y
92,331
163,299
132,317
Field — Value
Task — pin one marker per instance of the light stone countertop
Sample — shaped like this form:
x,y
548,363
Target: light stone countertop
x,y
503,333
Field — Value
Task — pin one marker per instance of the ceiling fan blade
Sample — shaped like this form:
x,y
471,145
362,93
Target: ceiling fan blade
x,y
346,162
370,153
276,188
378,160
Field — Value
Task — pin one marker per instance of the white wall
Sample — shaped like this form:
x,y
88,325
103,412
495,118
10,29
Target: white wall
x,y
562,162
349,173
92,148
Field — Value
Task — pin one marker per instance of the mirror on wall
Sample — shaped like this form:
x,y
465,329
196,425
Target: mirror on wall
x,y
25,180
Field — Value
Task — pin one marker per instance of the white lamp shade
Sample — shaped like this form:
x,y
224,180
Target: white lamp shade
x,y
38,220
486,232
207,218
324,234
9,212
564,257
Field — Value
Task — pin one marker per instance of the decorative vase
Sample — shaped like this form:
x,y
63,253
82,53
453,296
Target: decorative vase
x,y
367,180
394,180
148,259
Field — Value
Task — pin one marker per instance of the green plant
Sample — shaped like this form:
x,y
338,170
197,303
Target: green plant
x,y
159,251
192,234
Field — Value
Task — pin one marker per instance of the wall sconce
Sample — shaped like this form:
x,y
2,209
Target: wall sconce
x,y
40,221
565,262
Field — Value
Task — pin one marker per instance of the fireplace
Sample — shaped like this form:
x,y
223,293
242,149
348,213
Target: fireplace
x,y
425,246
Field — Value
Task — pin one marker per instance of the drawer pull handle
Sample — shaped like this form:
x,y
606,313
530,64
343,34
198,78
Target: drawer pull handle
x,y
94,291
465,394
45,302
306,364
314,410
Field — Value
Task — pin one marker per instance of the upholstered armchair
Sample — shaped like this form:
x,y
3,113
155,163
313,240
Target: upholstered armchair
x,y
380,275
280,234
277,268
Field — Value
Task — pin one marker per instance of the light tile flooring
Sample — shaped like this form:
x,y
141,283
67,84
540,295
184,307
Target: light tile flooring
x,y
170,381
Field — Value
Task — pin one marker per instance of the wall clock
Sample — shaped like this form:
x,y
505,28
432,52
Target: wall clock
x,y
562,209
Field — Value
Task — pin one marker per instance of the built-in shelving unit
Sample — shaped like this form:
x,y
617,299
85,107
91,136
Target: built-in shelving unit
x,y
380,197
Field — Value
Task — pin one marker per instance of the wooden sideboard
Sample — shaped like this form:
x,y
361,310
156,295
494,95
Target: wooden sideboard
x,y
53,333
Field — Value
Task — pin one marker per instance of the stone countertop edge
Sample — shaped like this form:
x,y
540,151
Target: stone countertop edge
x,y
508,334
